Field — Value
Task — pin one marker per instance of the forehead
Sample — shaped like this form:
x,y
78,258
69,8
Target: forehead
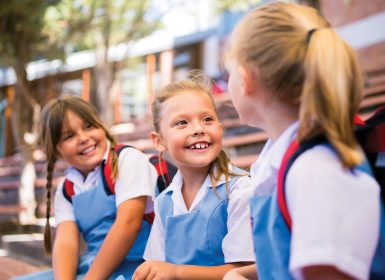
x,y
70,119
185,100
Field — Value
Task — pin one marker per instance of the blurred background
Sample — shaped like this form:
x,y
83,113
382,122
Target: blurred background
x,y
115,54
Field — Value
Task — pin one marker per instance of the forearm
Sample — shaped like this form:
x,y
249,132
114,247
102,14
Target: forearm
x,y
116,245
65,260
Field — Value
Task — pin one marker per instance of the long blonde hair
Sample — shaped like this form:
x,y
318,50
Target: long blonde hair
x,y
200,83
302,60
52,120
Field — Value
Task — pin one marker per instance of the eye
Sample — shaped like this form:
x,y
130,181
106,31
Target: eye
x,y
67,136
180,123
208,119
88,126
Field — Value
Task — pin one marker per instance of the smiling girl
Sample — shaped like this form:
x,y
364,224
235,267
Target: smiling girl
x,y
201,227
111,224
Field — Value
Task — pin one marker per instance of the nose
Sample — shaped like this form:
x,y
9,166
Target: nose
x,y
83,136
198,130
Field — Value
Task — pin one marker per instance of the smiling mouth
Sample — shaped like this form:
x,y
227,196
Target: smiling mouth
x,y
88,150
199,146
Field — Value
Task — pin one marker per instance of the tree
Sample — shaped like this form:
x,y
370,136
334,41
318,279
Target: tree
x,y
237,5
21,40
98,25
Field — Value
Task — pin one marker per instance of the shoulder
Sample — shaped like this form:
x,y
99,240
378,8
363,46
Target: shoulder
x,y
320,166
134,158
240,181
131,152
322,159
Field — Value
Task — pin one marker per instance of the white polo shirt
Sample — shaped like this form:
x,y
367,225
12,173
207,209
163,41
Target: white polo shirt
x,y
237,245
335,213
136,177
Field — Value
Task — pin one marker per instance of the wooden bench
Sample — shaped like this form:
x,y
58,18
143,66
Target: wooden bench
x,y
10,173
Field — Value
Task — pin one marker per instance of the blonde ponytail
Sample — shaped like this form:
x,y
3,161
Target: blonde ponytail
x,y
331,94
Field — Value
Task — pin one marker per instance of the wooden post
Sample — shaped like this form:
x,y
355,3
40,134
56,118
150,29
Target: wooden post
x,y
151,64
86,77
166,67
9,147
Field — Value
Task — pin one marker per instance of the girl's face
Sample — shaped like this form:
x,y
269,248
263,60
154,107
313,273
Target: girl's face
x,y
81,144
189,130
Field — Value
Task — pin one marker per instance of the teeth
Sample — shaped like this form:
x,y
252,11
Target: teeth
x,y
88,150
199,146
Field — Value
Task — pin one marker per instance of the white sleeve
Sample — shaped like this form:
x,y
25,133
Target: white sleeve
x,y
64,210
237,245
155,248
335,215
136,177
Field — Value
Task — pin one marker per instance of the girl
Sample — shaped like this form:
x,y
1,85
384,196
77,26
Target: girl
x,y
291,75
201,228
111,225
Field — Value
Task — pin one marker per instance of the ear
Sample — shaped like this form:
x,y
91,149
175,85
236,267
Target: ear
x,y
248,80
157,141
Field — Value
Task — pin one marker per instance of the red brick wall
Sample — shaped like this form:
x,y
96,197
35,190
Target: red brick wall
x,y
341,12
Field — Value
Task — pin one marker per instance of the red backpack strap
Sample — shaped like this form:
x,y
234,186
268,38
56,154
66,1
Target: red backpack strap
x,y
165,170
68,190
292,153
108,182
282,173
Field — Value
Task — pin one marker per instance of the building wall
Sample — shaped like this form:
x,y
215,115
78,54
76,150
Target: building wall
x,y
342,13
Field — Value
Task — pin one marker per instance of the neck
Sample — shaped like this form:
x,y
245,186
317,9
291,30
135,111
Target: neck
x,y
193,179
277,117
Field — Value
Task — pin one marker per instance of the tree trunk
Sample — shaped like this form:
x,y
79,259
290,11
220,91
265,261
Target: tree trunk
x,y
26,104
104,81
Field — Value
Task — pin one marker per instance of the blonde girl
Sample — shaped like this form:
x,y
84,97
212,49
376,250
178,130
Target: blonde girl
x,y
112,225
294,77
201,227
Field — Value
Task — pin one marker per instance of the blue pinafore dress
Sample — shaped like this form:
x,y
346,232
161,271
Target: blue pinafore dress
x,y
95,213
195,238
272,237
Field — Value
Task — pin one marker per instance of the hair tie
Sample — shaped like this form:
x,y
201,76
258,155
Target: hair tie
x,y
309,33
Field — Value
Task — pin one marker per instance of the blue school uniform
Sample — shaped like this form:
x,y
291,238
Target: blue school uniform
x,y
272,239
195,238
95,213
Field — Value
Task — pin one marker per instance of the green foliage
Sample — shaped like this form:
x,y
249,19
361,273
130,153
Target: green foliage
x,y
236,5
21,25
85,24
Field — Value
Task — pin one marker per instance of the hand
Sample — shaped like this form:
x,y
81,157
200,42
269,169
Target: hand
x,y
241,273
155,270
233,275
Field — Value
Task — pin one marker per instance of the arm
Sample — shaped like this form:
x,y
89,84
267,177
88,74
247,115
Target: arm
x,y
163,270
119,239
245,272
65,253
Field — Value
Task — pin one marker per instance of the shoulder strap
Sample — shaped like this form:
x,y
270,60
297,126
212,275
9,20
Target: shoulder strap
x,y
108,181
165,170
292,153
68,190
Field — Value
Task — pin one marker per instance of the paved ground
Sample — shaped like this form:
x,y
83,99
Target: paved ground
x,y
10,267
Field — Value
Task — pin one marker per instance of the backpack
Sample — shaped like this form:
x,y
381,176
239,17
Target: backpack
x,y
371,136
164,169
